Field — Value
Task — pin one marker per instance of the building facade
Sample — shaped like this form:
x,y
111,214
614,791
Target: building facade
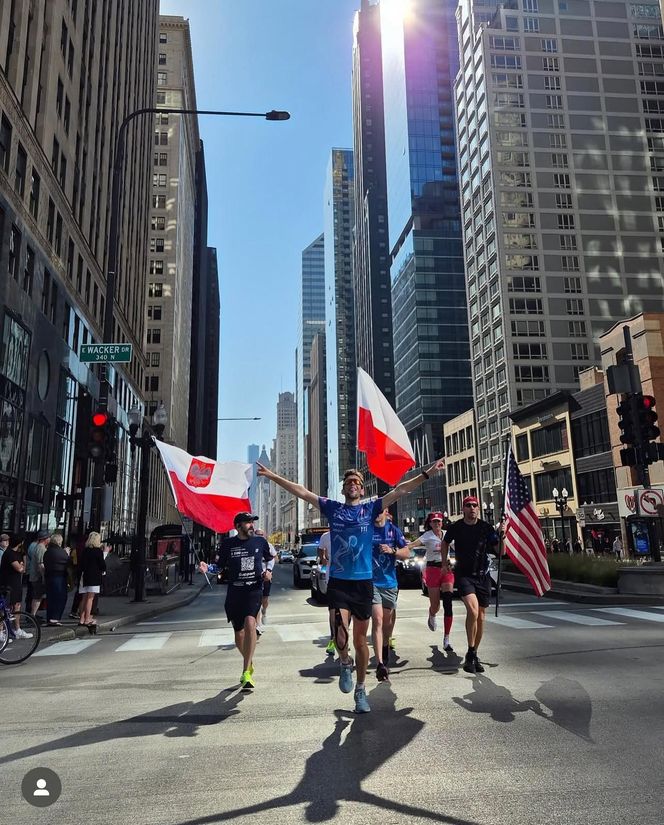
x,y
339,319
561,152
431,354
317,408
286,462
69,74
461,463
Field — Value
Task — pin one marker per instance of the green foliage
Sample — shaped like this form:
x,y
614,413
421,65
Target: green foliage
x,y
585,569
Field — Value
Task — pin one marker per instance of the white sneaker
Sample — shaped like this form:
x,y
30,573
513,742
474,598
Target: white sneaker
x,y
433,624
21,634
264,622
259,629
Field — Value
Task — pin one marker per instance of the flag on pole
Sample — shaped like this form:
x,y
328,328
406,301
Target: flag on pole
x,y
380,433
523,535
209,492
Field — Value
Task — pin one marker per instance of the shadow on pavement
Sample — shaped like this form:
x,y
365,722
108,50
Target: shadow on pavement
x,y
324,673
496,701
443,662
356,748
182,719
570,705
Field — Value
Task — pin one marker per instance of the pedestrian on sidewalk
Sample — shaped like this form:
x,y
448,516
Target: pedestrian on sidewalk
x,y
92,567
473,540
243,556
56,564
36,572
388,546
350,586
4,543
12,567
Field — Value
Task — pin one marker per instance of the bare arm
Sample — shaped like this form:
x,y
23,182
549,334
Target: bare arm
x,y
444,550
403,553
413,483
290,486
413,544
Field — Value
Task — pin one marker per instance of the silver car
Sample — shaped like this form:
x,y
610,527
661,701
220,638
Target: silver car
x,y
304,559
319,579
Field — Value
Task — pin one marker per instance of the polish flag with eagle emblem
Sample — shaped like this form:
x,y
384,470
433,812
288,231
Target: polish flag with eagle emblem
x,y
207,491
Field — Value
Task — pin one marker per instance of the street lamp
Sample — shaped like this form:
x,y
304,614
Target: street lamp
x,y
113,246
488,511
146,443
560,500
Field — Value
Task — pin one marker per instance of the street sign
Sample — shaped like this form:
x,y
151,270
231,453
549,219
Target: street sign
x,y
108,353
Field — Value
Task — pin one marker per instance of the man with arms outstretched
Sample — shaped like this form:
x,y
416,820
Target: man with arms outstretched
x,y
350,586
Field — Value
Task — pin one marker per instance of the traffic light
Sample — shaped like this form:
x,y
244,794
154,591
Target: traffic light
x,y
626,422
110,439
647,417
97,437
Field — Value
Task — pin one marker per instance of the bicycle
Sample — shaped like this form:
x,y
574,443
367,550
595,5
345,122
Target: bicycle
x,y
14,647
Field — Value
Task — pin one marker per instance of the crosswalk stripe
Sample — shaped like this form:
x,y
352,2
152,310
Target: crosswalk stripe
x,y
216,638
153,641
67,648
516,623
631,614
301,632
576,618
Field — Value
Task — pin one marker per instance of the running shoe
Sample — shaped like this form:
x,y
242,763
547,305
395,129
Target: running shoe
x,y
382,673
479,667
264,617
251,669
22,634
346,677
469,664
361,703
246,680
447,647
393,642
331,648
386,654
431,621
259,629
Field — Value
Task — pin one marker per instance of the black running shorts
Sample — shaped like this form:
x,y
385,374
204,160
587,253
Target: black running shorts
x,y
242,602
354,596
479,585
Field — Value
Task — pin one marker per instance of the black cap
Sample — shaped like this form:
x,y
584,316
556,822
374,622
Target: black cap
x,y
240,517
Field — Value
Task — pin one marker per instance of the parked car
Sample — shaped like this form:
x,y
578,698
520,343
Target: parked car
x,y
409,571
319,578
305,558
285,557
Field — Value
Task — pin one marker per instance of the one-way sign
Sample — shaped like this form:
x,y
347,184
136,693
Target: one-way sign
x,y
109,353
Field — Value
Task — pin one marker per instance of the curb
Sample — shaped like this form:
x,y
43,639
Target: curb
x,y
581,593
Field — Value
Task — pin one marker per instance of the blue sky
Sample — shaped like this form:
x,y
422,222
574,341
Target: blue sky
x,y
265,180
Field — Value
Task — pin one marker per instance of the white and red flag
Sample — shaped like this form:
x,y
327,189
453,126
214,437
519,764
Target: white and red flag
x,y
523,535
380,433
209,492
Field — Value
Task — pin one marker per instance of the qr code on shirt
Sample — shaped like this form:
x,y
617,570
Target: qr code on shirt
x,y
247,565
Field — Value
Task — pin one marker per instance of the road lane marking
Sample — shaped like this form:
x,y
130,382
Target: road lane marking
x,y
301,632
153,641
576,618
67,648
631,614
516,623
216,638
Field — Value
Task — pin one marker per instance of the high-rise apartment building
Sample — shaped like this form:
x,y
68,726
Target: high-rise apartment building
x,y
431,353
172,236
339,318
317,408
561,152
69,74
312,321
371,256
285,463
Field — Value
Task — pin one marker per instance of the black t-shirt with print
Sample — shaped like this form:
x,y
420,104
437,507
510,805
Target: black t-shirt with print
x,y
243,558
472,545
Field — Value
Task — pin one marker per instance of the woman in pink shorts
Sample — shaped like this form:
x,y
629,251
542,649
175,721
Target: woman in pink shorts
x,y
438,578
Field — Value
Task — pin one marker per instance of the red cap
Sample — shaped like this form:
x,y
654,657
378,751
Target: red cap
x,y
433,516
470,500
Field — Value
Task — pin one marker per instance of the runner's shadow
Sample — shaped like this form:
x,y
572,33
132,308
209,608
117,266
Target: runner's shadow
x,y
182,719
324,673
356,748
496,701
570,705
444,662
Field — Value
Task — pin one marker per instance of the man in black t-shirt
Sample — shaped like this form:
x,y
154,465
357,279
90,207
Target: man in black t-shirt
x,y
474,540
243,556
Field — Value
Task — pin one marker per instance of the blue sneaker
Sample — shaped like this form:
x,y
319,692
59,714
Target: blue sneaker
x,y
346,677
361,703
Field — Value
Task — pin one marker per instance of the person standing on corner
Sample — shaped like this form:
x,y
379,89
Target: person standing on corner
x,y
350,586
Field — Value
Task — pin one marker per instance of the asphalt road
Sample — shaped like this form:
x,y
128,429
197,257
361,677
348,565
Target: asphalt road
x,y
147,726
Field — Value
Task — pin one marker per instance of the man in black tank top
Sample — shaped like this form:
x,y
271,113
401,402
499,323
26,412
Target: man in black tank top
x,y
474,540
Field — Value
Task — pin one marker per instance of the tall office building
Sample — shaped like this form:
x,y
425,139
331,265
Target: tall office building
x,y
312,321
69,74
173,217
285,463
371,259
317,407
339,318
431,353
252,458
261,502
561,147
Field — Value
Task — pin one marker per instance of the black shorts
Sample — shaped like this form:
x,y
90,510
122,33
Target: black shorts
x,y
479,585
354,596
267,586
242,602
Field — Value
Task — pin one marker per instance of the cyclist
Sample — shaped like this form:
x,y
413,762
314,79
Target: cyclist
x,y
12,567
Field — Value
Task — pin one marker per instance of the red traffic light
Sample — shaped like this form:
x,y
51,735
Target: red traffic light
x,y
648,402
99,419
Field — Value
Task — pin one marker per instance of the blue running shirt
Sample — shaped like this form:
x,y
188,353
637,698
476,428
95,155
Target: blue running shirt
x,y
384,571
351,533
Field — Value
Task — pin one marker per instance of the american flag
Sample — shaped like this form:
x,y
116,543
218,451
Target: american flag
x,y
523,535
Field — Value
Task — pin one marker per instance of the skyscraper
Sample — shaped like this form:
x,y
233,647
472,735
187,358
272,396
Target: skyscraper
x,y
317,408
431,354
339,317
252,458
561,146
285,463
371,259
312,321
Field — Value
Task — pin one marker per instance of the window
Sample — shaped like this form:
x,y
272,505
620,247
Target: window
x,y
529,351
531,5
505,61
597,486
557,141
152,383
515,179
63,171
531,24
155,290
526,306
154,312
525,329
163,37
156,267
574,306
162,58
21,170
50,221
570,263
154,359
567,241
548,44
559,160
576,329
163,159
156,244
159,201
5,143
14,253
504,43
162,78
57,245
159,180
550,64
55,155
513,158
552,83
554,101
579,352
154,335
158,222
590,434
67,117
523,283
522,453
561,181
516,199
510,119
64,37
548,440
59,98
521,220
509,99
545,482
29,270
507,80
564,201
520,241
46,292
556,121
527,262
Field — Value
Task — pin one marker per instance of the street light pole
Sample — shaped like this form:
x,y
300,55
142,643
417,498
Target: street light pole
x,y
561,503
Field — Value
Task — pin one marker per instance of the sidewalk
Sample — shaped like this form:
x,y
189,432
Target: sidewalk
x,y
577,592
116,611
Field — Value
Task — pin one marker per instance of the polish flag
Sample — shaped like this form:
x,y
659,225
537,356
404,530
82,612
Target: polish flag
x,y
209,492
380,434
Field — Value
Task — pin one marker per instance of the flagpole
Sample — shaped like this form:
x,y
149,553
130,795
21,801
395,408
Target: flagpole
x,y
501,541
